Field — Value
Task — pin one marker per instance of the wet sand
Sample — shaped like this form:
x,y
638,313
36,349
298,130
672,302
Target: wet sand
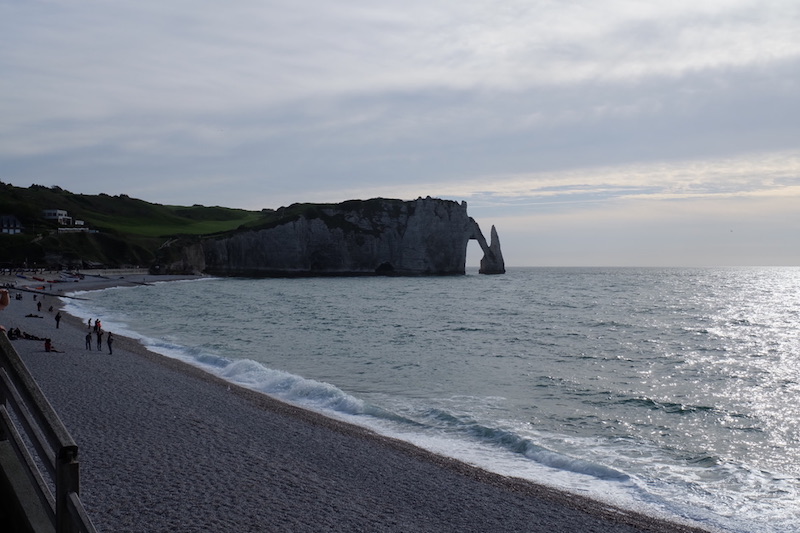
x,y
165,446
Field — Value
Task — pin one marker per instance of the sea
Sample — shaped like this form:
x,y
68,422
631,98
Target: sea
x,y
671,391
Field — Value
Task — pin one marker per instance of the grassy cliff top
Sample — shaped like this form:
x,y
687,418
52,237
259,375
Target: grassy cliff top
x,y
119,214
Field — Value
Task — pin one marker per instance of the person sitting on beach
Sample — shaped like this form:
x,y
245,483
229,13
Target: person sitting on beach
x,y
48,347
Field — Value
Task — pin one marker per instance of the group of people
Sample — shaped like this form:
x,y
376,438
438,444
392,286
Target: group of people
x,y
98,331
16,333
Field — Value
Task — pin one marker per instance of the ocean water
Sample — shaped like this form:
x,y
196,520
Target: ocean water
x,y
671,391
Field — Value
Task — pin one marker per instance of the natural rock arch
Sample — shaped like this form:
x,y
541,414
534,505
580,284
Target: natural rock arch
x,y
380,236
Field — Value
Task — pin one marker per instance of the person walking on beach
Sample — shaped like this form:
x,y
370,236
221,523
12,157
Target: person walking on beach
x,y
89,341
58,319
109,341
38,306
99,339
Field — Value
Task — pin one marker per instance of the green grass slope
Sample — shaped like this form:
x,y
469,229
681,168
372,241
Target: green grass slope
x,y
129,231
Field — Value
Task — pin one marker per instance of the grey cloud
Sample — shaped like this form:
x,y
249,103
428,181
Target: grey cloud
x,y
284,99
413,135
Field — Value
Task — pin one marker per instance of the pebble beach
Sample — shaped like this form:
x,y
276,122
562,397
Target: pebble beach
x,y
165,446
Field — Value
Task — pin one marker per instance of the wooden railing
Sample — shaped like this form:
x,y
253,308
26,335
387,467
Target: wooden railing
x,y
30,425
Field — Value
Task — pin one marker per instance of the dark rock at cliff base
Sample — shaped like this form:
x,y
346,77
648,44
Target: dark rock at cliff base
x,y
492,262
380,236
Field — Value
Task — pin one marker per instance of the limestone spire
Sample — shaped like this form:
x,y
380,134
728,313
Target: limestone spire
x,y
492,262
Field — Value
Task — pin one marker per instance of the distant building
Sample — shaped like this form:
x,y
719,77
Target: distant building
x,y
10,225
59,215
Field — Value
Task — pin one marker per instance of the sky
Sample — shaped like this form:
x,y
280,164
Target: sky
x,y
589,132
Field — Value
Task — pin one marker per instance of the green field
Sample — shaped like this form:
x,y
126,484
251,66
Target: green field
x,y
125,230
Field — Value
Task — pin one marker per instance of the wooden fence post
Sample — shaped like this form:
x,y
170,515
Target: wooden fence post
x,y
67,481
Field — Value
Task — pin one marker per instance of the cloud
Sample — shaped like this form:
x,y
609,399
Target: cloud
x,y
774,172
710,231
747,175
521,108
203,56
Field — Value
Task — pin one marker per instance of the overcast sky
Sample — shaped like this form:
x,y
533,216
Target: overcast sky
x,y
590,132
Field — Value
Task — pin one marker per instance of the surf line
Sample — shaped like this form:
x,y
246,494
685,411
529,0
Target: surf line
x,y
45,293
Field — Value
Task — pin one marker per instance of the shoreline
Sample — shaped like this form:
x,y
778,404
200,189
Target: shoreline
x,y
562,511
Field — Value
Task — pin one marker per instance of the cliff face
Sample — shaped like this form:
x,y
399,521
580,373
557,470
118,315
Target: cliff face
x,y
390,237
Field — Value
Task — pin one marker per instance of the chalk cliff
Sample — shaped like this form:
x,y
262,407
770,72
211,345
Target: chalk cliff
x,y
381,236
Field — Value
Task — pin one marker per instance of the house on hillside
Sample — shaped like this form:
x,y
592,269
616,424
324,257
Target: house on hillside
x,y
10,225
63,219
59,215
